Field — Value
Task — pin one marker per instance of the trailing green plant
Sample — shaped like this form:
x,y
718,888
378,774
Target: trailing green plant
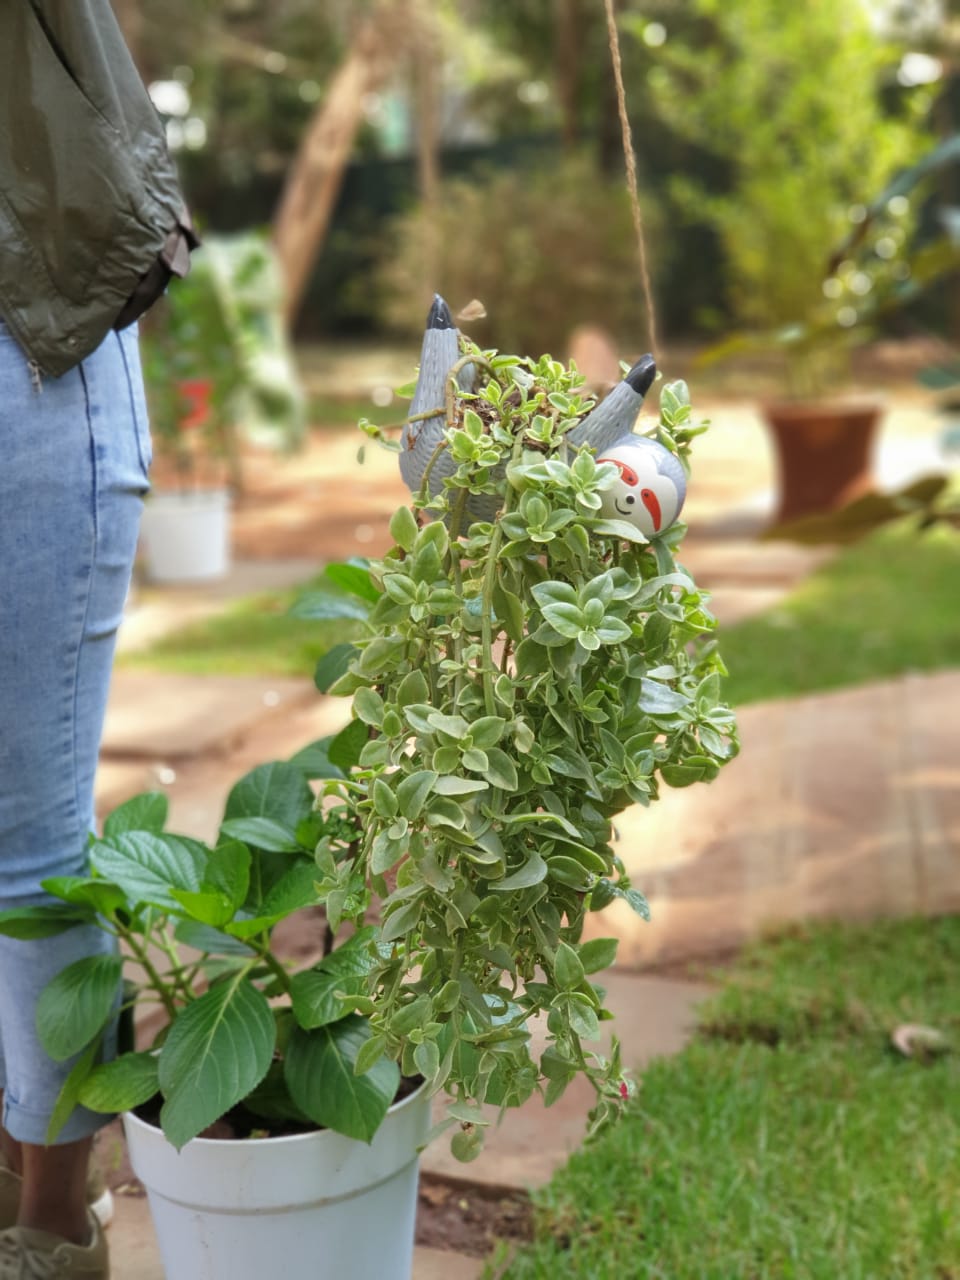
x,y
517,684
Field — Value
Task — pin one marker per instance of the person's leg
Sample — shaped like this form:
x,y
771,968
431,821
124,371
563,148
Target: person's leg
x,y
65,1168
74,472
10,1148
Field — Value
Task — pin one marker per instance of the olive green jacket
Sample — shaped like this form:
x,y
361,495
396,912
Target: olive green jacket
x,y
88,194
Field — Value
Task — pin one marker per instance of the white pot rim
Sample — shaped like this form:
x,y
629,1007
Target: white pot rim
x,y
287,1139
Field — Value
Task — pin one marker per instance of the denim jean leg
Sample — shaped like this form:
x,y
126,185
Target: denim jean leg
x,y
73,459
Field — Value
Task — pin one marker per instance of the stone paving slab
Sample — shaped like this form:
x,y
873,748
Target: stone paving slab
x,y
745,562
840,805
161,718
133,1243
653,1017
118,780
437,1264
197,787
734,604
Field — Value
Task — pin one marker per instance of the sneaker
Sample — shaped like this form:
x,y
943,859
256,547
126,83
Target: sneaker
x,y
99,1196
39,1255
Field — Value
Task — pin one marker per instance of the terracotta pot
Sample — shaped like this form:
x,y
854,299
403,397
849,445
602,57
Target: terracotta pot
x,y
824,450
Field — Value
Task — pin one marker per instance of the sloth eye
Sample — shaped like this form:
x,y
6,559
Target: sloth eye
x,y
627,473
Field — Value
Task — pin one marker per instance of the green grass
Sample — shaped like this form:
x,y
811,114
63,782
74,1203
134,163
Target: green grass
x,y
253,637
330,413
883,606
789,1140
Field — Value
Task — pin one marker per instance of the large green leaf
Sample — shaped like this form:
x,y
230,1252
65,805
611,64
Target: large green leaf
x,y
213,907
324,605
346,746
69,1094
532,872
217,1051
99,895
334,664
271,1101
354,576
146,812
262,833
345,969
122,1084
320,1075
315,760
278,791
295,889
228,870
658,699
75,1007
204,938
147,866
41,921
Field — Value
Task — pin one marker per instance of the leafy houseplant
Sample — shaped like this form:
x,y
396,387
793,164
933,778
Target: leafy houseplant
x,y
218,371
793,103
517,684
217,366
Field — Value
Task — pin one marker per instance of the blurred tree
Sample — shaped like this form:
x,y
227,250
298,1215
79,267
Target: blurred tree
x,y
543,247
314,178
797,101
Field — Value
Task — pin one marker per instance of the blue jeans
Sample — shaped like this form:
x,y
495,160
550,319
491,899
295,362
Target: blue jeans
x,y
74,457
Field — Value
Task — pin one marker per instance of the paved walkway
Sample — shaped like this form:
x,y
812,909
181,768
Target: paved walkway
x,y
845,804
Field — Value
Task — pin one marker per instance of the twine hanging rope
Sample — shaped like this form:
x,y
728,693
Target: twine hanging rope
x,y
632,186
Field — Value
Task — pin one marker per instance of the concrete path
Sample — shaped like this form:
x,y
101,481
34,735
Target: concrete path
x,y
842,804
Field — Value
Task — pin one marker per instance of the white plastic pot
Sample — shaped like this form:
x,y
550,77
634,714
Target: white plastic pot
x,y
316,1206
186,536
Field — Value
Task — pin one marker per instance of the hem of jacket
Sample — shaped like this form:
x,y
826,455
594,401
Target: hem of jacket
x,y
80,328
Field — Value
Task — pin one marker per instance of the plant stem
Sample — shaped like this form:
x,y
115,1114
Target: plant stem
x,y
273,964
486,616
143,958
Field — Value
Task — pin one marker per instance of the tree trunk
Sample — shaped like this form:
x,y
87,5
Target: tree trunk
x,y
568,63
314,180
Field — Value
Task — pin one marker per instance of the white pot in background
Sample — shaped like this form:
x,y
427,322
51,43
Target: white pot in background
x,y
186,536
315,1206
